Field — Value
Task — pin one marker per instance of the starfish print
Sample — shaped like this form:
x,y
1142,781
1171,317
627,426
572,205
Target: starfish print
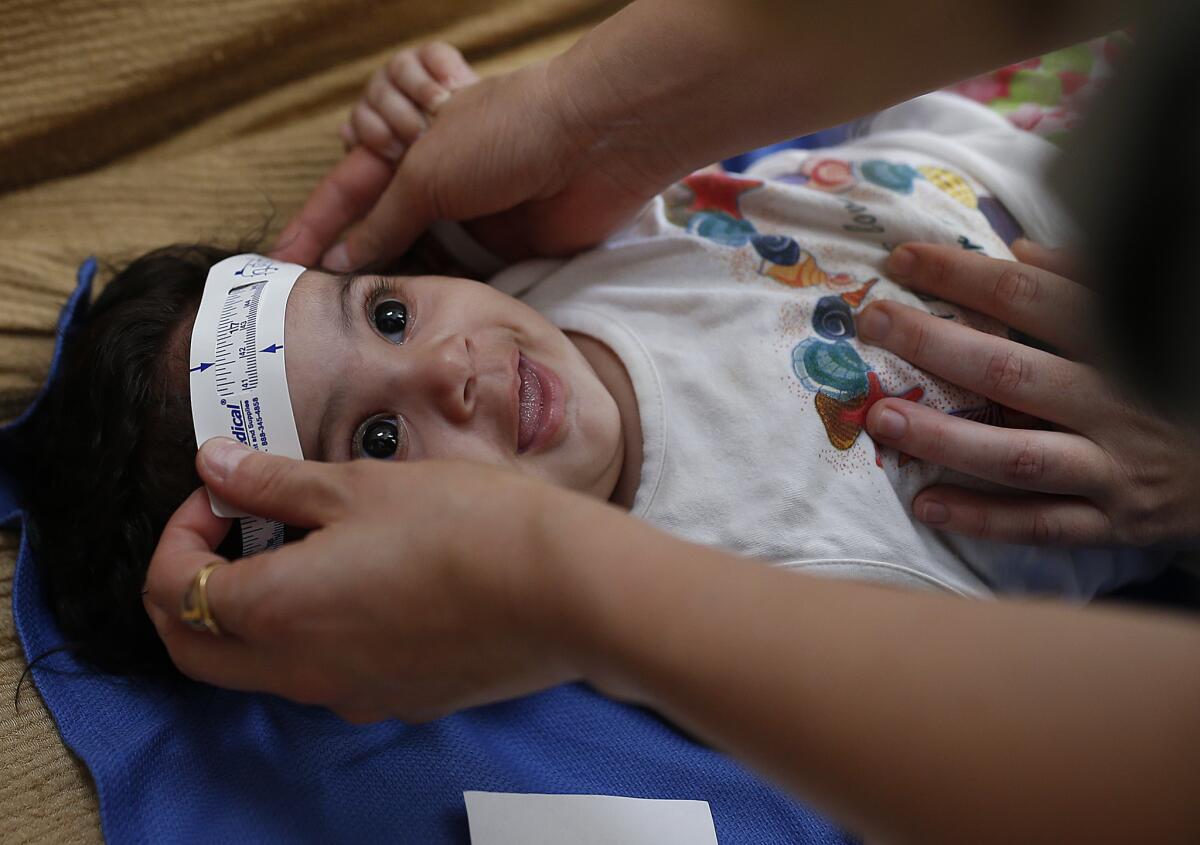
x,y
718,192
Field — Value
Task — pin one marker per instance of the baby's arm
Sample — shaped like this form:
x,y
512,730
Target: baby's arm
x,y
402,96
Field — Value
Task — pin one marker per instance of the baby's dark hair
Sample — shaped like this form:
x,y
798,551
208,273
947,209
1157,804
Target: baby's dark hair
x,y
113,456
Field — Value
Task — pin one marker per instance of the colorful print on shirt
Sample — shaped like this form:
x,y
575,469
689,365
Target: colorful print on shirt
x,y
844,386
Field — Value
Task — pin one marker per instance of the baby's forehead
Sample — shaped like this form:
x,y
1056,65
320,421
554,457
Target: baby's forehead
x,y
313,278
318,291
316,282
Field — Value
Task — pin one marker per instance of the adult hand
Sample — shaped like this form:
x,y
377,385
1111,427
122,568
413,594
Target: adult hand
x,y
553,157
517,155
1110,471
419,590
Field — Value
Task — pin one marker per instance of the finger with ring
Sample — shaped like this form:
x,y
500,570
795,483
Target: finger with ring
x,y
196,611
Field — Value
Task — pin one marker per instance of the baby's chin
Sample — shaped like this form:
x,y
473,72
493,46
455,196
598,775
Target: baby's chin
x,y
600,435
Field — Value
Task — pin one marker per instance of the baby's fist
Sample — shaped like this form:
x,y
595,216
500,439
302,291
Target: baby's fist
x,y
403,94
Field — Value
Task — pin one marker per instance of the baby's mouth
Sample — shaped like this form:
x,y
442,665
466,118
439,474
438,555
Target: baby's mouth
x,y
530,405
539,404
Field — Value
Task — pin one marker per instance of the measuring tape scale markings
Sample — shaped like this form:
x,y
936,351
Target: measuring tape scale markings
x,y
238,385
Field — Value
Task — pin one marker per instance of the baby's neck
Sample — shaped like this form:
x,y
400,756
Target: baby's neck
x,y
613,376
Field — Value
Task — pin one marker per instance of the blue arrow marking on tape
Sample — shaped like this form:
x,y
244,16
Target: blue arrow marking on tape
x,y
274,347
204,365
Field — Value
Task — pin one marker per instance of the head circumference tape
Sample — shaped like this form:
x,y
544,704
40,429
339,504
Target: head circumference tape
x,y
238,376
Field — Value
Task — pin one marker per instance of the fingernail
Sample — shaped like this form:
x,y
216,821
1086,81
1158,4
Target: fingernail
x,y
393,150
438,100
901,262
933,513
890,425
221,455
338,259
873,324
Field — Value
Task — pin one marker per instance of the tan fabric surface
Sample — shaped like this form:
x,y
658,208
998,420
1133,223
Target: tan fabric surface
x,y
129,125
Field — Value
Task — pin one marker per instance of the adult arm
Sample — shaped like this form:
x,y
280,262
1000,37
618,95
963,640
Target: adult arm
x,y
555,156
1107,471
429,587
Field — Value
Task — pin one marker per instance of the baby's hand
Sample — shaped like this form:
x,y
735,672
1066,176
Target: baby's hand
x,y
403,95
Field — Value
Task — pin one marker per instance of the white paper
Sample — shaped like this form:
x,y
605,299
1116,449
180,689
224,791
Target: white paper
x,y
506,818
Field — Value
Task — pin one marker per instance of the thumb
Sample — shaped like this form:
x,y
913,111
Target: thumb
x,y
399,217
304,494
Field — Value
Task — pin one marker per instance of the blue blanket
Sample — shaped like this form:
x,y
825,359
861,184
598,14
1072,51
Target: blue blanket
x,y
191,763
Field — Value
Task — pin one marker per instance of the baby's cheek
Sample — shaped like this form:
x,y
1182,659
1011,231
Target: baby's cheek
x,y
447,443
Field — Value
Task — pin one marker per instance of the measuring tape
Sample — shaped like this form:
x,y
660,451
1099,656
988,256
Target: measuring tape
x,y
238,376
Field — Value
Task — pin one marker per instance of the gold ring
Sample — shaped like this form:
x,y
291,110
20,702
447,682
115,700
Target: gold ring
x,y
196,611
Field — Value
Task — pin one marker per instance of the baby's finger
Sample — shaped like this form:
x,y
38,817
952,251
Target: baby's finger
x,y
409,75
1040,303
1045,461
343,196
401,116
373,131
447,65
1040,520
1015,375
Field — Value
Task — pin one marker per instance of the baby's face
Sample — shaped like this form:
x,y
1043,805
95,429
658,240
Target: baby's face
x,y
410,368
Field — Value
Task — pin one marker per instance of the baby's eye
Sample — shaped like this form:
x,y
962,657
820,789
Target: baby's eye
x,y
391,318
382,438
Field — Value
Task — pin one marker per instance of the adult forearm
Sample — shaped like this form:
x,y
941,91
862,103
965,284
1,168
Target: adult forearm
x,y
912,716
686,82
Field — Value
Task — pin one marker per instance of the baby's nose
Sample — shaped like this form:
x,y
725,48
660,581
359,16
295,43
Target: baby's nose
x,y
448,377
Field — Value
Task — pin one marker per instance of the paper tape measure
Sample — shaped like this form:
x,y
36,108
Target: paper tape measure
x,y
238,374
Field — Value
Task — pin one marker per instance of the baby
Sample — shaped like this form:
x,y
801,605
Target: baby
x,y
700,368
